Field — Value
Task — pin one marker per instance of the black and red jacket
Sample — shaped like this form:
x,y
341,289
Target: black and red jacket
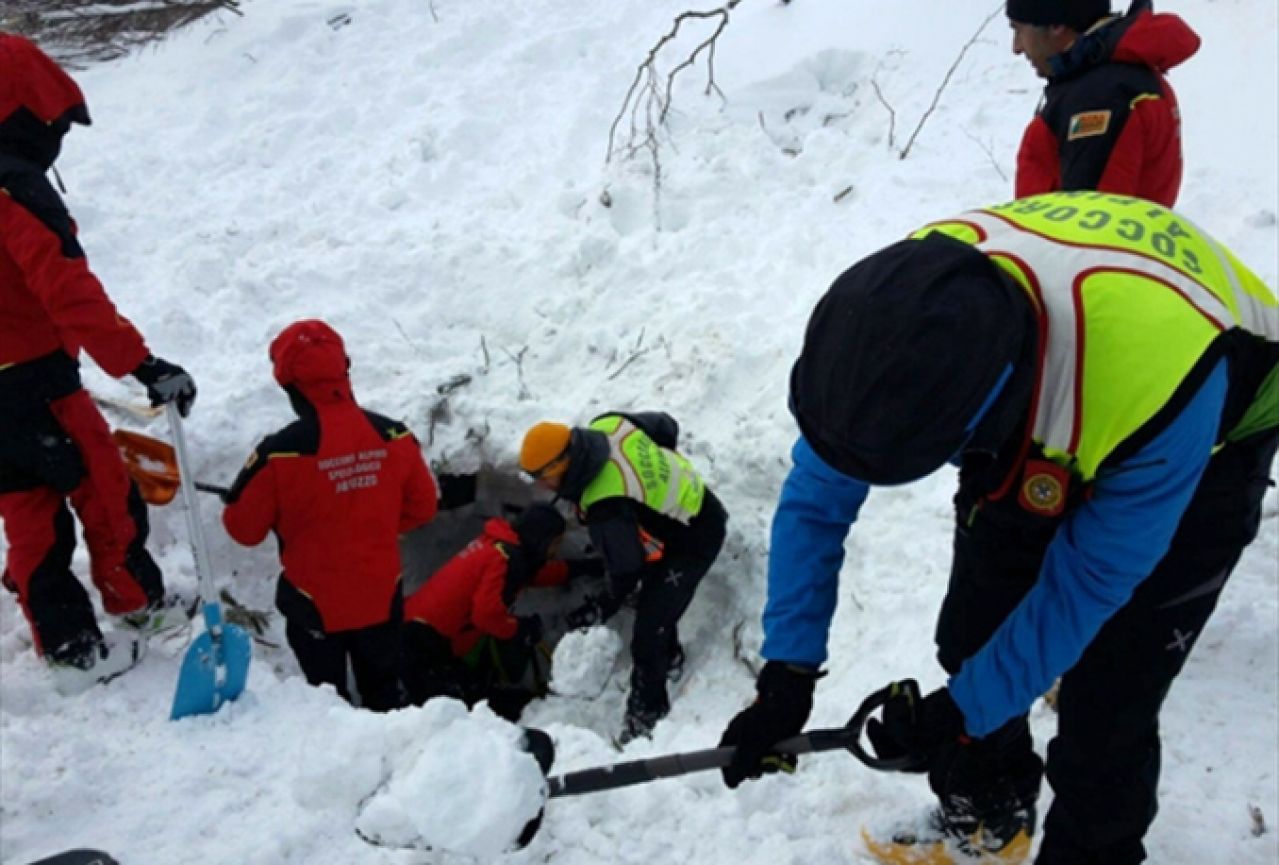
x,y
1109,119
471,596
338,487
51,304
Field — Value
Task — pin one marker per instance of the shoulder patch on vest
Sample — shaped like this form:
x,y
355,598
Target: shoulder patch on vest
x,y
1087,124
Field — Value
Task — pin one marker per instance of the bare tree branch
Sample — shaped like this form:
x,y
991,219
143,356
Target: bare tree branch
x,y
985,148
77,33
647,105
949,72
892,114
637,351
517,358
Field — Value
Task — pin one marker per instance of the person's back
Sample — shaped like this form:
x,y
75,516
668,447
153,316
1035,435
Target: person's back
x,y
338,486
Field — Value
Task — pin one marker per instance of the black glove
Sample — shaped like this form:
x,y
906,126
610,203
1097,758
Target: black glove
x,y
783,702
529,631
166,382
579,568
915,726
595,609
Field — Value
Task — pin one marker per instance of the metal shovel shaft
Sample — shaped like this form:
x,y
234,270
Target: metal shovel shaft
x,y
203,570
627,774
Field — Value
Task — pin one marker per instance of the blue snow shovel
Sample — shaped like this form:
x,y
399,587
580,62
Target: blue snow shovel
x,y
216,665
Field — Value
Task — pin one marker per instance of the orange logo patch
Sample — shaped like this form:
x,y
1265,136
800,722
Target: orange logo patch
x,y
1086,124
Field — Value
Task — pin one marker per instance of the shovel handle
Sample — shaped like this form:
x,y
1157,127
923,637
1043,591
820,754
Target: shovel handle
x,y
200,549
846,738
216,490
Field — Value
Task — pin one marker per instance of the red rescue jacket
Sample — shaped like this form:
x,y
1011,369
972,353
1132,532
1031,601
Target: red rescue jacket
x,y
337,487
472,594
1109,118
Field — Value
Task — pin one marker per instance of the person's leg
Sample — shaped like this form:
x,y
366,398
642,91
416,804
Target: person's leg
x,y
375,659
1104,763
41,537
427,666
111,511
321,656
665,593
997,554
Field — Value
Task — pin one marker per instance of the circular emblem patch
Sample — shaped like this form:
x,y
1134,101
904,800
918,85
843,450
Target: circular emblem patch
x,y
1043,492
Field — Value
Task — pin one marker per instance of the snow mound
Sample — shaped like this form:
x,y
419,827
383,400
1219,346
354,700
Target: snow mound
x,y
584,661
468,787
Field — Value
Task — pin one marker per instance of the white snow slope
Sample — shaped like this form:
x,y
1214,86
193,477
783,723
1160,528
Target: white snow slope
x,y
430,178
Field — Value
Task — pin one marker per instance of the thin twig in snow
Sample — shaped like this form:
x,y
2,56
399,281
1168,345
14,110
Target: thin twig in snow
x,y
985,148
949,72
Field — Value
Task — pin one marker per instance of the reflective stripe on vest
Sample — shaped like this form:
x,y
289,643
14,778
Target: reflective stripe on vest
x,y
1131,295
638,468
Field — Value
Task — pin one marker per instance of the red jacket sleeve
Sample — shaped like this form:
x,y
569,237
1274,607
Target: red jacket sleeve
x,y
421,496
71,295
1146,160
1038,162
553,573
254,509
488,612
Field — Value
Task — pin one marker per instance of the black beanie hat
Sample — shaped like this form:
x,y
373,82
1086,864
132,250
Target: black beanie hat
x,y
901,354
1075,14
537,526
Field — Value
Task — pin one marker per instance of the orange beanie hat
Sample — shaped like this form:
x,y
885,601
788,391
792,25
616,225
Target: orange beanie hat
x,y
544,444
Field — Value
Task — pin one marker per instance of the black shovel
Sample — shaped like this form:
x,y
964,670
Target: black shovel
x,y
599,778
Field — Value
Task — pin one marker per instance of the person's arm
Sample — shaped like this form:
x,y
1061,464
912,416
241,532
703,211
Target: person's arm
x,y
615,532
421,497
818,505
1038,163
1095,562
489,612
39,236
252,503
553,573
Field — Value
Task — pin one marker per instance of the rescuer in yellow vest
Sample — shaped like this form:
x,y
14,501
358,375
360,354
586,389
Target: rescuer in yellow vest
x,y
654,521
1106,377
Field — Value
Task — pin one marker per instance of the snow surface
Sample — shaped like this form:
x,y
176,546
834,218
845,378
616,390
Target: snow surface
x,y
429,176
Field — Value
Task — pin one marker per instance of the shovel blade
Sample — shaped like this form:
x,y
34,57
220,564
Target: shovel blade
x,y
213,672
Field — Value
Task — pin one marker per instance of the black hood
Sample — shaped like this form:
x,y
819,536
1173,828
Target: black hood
x,y
901,355
587,455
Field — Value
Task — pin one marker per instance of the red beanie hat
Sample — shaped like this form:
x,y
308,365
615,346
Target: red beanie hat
x,y
308,351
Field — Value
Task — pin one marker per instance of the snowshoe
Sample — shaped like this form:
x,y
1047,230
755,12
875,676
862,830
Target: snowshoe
x,y
942,842
97,664
170,612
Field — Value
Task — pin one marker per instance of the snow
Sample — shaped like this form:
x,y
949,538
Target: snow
x,y
584,661
436,190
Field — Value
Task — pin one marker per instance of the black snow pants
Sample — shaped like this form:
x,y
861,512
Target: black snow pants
x,y
1104,763
374,652
666,590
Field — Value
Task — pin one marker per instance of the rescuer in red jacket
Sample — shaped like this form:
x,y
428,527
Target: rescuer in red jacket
x,y
55,446
461,637
1108,119
338,487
